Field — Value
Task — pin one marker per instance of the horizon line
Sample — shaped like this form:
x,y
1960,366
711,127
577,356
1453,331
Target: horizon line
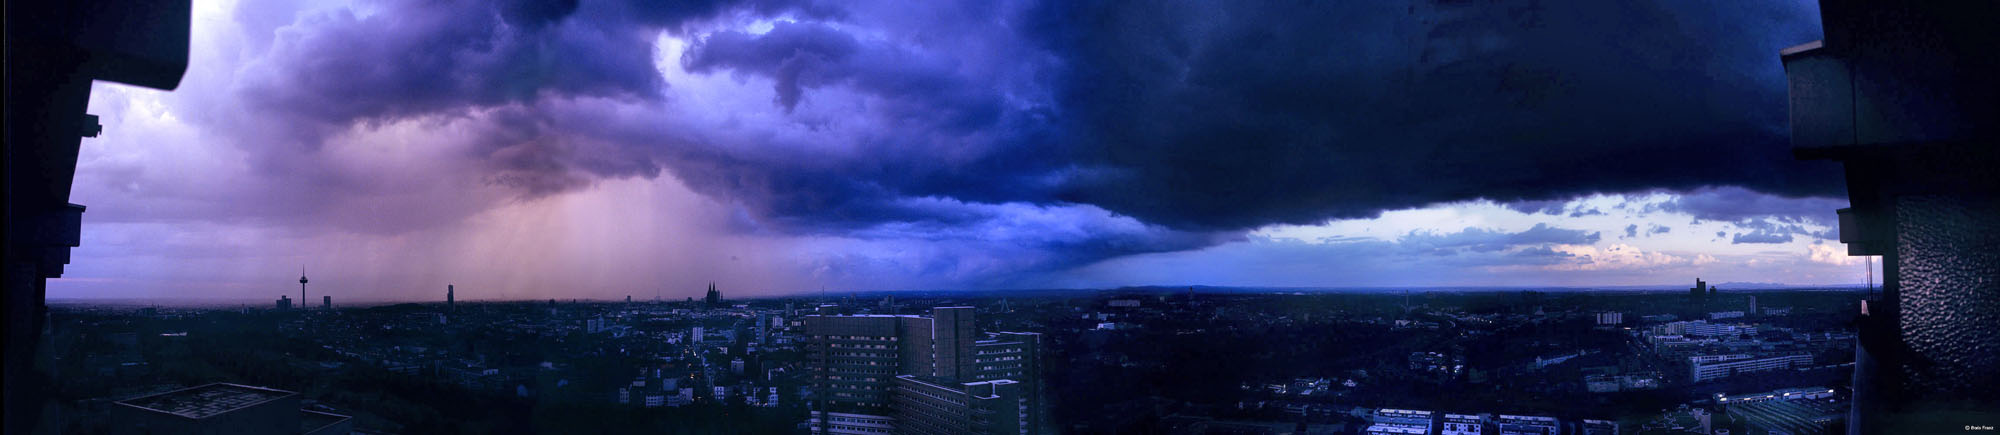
x,y
197,300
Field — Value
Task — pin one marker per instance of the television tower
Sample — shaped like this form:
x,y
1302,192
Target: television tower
x,y
1868,264
302,285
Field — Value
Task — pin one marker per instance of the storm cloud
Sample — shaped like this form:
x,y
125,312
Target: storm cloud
x,y
1060,134
1237,114
1191,115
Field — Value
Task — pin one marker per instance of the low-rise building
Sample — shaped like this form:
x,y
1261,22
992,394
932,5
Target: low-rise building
x,y
220,408
1803,393
1527,425
1462,424
1390,421
1712,367
1598,427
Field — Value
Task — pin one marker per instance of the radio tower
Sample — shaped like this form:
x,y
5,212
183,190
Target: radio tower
x,y
302,285
1869,264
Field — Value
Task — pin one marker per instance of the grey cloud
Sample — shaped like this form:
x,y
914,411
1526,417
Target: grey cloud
x,y
1590,212
1485,240
1732,204
1761,236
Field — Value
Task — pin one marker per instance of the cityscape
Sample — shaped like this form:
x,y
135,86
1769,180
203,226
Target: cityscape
x,y
1055,361
1018,217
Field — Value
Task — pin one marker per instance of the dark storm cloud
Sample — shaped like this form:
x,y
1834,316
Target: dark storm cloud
x,y
1199,116
522,86
1198,120
797,56
1731,204
333,68
1234,114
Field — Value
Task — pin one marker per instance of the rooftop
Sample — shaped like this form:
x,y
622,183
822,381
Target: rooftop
x,y
207,400
314,420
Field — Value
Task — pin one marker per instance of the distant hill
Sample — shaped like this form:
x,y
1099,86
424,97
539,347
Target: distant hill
x,y
1765,285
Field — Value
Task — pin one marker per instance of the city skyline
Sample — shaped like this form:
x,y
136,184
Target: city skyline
x,y
602,152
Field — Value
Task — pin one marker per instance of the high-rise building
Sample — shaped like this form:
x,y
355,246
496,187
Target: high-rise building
x,y
1699,290
922,374
284,302
765,323
450,297
1753,305
1902,95
1610,318
326,302
930,406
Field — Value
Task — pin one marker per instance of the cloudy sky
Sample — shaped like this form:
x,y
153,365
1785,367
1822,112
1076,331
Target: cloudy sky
x,y
600,148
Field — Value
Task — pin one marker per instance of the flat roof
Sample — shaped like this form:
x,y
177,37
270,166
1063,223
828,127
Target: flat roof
x,y
310,420
1801,48
207,400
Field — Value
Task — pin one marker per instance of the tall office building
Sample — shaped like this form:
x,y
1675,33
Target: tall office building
x,y
1610,318
450,297
1903,95
765,323
931,374
326,302
284,302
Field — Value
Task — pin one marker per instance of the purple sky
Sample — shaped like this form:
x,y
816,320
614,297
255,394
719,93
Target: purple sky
x,y
607,148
